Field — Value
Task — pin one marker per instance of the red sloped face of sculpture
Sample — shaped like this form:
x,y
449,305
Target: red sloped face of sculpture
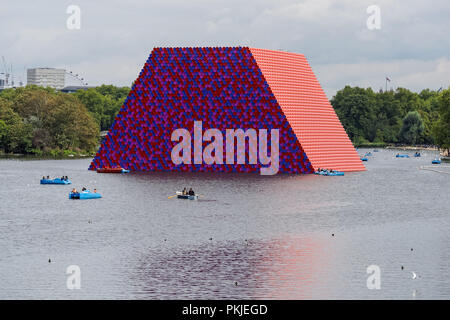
x,y
308,110
221,89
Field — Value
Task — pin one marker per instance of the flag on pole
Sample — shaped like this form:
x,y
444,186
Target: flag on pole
x,y
387,79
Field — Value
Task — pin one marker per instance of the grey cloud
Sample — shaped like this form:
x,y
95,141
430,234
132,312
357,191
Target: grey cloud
x,y
117,36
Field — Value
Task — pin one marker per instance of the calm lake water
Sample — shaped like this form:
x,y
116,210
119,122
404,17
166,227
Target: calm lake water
x,y
272,235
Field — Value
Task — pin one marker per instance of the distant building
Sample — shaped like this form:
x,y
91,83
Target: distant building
x,y
46,77
72,89
6,85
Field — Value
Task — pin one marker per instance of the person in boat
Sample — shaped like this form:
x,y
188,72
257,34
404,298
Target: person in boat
x,y
191,192
184,192
83,190
74,190
48,177
66,178
43,177
95,190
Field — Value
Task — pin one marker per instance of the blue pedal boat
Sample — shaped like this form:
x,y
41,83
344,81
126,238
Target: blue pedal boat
x,y
84,195
436,161
55,181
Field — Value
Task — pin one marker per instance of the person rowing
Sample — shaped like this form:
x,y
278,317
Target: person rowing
x,y
191,192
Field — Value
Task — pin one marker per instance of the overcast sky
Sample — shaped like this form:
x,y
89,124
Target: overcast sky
x,y
412,47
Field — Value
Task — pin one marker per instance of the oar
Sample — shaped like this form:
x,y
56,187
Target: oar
x,y
172,196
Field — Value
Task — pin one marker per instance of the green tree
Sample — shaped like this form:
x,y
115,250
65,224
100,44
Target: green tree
x,y
408,100
388,117
70,125
441,129
377,117
42,120
355,109
94,102
15,134
412,128
103,103
3,129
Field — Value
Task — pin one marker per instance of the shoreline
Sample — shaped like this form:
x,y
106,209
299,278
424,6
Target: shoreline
x,y
413,148
33,157
76,157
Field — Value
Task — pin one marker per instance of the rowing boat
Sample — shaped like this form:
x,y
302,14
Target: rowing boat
x,y
112,170
180,195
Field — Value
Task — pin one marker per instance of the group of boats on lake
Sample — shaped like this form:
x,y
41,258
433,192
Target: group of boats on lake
x,y
74,194
84,193
189,195
437,160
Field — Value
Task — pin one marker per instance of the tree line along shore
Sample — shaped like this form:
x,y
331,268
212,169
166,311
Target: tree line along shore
x,y
44,122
